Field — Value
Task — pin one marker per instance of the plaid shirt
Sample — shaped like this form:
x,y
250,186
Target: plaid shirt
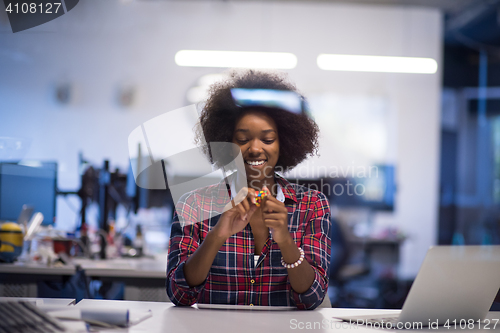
x,y
234,278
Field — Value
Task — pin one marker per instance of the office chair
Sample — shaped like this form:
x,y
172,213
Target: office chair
x,y
344,268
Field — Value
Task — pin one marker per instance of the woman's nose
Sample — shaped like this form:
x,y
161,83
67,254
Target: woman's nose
x,y
255,147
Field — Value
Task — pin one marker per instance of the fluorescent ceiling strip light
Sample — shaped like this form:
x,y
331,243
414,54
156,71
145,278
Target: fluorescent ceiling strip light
x,y
194,58
364,63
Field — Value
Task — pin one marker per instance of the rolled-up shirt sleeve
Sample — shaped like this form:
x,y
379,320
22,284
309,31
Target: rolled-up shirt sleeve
x,y
316,244
184,240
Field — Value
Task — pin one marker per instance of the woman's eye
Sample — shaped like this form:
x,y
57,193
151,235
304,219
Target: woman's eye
x,y
242,142
268,141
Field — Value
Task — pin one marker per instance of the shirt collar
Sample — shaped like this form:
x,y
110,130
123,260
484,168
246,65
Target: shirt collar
x,y
279,193
286,188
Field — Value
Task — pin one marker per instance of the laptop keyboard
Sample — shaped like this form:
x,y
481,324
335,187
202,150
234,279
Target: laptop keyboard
x,y
24,317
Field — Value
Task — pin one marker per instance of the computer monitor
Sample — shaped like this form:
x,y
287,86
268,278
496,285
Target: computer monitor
x,y
26,185
375,191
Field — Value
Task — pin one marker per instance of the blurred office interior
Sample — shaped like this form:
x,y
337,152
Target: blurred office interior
x,y
424,146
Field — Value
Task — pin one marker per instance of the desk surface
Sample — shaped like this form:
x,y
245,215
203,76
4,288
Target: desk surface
x,y
34,268
191,319
145,267
44,301
122,267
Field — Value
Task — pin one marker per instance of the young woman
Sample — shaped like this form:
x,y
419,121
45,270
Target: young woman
x,y
275,253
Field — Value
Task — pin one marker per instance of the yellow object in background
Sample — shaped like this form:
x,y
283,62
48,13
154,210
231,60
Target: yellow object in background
x,y
11,241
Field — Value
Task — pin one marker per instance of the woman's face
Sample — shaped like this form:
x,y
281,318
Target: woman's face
x,y
257,136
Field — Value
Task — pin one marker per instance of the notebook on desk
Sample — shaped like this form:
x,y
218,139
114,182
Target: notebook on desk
x,y
244,307
454,283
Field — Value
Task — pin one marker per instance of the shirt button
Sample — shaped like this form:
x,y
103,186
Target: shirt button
x,y
252,281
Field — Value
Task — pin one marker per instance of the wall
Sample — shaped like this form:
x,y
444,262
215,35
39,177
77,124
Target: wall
x,y
100,45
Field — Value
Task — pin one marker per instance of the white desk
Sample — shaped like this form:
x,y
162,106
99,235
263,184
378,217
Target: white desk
x,y
45,301
168,318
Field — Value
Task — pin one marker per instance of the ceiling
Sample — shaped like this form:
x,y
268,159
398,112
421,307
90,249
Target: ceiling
x,y
473,22
459,14
448,6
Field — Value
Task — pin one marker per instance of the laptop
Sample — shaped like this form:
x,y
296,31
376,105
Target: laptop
x,y
455,285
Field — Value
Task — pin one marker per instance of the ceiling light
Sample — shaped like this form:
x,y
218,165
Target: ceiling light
x,y
364,63
277,60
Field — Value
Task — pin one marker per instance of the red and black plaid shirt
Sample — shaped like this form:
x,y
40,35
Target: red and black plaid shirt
x,y
234,278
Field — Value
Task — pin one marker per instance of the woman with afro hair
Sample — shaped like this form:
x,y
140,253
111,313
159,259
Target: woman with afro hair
x,y
272,250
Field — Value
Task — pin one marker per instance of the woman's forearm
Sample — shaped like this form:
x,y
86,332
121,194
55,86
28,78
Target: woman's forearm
x,y
301,277
198,265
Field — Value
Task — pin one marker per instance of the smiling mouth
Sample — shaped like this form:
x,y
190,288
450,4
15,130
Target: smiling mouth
x,y
256,163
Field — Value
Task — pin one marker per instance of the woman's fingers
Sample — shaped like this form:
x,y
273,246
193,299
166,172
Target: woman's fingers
x,y
241,209
273,224
273,216
270,222
268,206
246,208
246,196
252,210
241,195
265,189
272,201
269,203
251,196
271,206
245,204
263,204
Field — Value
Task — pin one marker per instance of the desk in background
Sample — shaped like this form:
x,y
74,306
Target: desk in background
x,y
144,278
20,280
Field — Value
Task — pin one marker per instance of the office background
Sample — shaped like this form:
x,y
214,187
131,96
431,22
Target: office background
x,y
101,49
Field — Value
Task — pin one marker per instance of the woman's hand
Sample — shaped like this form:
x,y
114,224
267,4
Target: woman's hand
x,y
235,219
275,217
